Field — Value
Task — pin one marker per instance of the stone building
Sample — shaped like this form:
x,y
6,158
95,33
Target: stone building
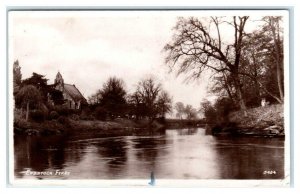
x,y
73,97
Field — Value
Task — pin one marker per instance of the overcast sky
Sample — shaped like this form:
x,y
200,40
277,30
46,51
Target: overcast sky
x,y
89,47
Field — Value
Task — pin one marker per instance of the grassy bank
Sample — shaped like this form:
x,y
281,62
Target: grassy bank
x,y
260,121
86,128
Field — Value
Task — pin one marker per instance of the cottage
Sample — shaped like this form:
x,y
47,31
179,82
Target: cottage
x,y
73,97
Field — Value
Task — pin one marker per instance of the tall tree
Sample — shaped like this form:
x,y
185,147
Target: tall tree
x,y
48,92
17,76
95,98
39,82
209,111
262,62
272,27
113,96
149,92
136,105
179,107
191,113
198,45
223,86
164,103
259,67
29,96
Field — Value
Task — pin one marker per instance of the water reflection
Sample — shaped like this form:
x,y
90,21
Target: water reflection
x,y
189,156
38,154
189,131
174,154
248,158
146,148
114,149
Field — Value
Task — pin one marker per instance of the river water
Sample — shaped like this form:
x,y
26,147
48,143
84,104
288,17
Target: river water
x,y
172,154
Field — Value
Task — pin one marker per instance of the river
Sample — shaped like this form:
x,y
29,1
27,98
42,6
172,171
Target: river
x,y
172,154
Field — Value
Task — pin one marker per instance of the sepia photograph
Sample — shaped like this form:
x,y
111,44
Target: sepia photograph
x,y
149,98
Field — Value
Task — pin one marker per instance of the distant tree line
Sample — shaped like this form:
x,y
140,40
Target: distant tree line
x,y
149,100
245,67
185,112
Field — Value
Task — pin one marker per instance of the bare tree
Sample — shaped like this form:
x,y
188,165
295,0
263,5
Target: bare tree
x,y
198,45
136,105
95,98
179,107
272,27
148,90
259,65
164,103
191,113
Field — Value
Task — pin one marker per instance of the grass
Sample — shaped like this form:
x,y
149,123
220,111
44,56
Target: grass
x,y
84,128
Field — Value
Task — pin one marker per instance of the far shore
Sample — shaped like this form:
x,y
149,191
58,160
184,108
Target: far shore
x,y
261,121
116,127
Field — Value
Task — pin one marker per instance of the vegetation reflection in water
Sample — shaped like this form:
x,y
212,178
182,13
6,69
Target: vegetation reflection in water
x,y
173,154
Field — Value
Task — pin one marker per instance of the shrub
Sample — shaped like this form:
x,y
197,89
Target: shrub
x,y
21,123
37,115
44,109
223,107
63,120
209,111
65,111
53,115
100,113
74,117
62,111
18,114
88,117
161,120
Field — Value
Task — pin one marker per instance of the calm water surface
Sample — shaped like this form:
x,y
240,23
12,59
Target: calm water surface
x,y
173,154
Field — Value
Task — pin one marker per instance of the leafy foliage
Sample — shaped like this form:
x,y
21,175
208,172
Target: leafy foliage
x,y
110,101
17,76
219,111
30,97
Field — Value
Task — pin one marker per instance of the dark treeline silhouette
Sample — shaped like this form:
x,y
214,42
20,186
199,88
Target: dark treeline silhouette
x,y
149,100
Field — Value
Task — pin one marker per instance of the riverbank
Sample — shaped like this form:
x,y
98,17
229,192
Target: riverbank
x,y
73,126
260,121
96,128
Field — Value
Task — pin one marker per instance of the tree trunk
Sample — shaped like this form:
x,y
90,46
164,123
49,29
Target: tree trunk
x,y
241,101
257,91
27,111
278,61
240,94
226,85
279,82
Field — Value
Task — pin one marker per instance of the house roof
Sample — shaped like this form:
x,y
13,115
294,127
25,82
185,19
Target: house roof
x,y
74,92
